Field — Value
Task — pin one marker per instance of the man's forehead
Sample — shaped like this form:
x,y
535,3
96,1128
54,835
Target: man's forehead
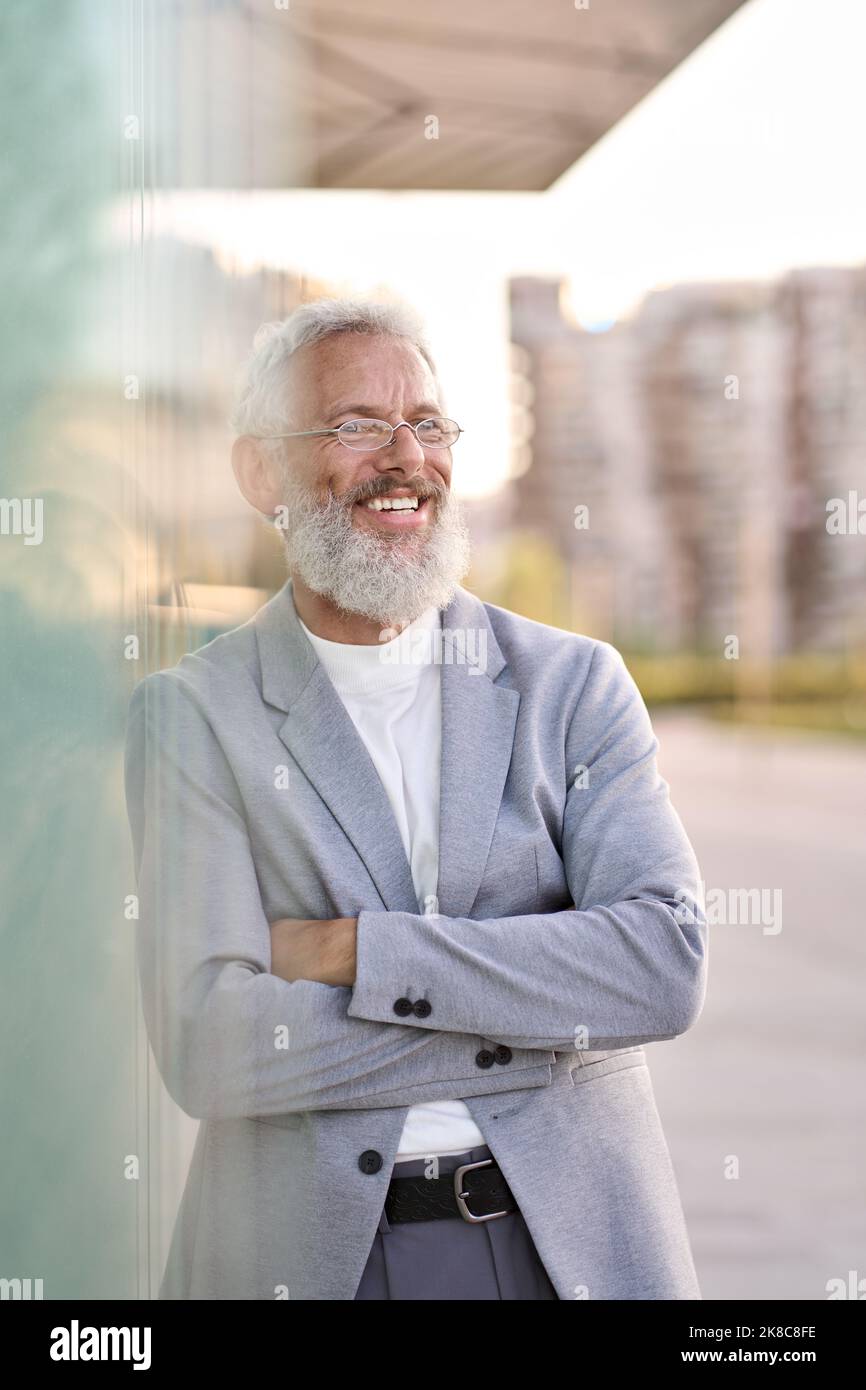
x,y
365,368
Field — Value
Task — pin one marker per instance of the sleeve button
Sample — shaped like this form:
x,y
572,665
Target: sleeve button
x,y
484,1058
422,1008
503,1054
403,1007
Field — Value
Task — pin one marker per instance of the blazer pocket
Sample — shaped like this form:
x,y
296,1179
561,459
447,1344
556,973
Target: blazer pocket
x,y
509,887
597,1064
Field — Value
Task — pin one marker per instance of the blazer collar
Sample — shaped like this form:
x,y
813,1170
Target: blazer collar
x,y
478,723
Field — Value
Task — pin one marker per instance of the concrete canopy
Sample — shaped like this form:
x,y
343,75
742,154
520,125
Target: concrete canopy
x,y
494,95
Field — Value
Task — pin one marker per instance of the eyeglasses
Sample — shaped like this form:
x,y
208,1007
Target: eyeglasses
x,y
365,435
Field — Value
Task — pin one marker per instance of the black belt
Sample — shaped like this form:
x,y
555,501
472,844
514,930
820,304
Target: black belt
x,y
437,1199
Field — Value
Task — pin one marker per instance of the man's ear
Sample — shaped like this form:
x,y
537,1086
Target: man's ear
x,y
257,474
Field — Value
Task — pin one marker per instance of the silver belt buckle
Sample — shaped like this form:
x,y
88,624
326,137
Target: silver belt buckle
x,y
461,1196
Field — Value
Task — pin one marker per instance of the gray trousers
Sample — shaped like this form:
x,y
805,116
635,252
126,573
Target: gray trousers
x,y
453,1259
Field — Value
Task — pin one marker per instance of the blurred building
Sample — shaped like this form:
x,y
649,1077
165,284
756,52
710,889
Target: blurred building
x,y
825,576
681,462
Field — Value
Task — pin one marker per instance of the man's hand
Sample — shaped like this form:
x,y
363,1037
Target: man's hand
x,y
311,950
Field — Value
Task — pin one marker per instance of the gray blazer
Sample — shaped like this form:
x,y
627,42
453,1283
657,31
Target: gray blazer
x,y
570,929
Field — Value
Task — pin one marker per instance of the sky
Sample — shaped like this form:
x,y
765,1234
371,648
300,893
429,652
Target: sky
x,y
743,163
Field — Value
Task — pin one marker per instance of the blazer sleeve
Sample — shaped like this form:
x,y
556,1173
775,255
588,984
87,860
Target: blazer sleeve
x,y
231,1039
624,966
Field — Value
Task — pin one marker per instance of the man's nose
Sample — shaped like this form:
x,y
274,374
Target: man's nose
x,y
403,452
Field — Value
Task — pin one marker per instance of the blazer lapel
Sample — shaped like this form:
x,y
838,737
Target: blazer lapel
x,y
320,735
478,723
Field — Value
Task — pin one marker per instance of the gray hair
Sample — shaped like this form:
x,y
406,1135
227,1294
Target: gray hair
x,y
262,405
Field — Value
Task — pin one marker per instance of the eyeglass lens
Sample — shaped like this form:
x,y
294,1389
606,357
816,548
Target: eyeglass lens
x,y
435,433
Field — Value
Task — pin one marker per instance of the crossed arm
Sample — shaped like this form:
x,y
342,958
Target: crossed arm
x,y
251,1018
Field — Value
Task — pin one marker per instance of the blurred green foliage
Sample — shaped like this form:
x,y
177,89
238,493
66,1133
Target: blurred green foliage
x,y
690,677
531,579
809,690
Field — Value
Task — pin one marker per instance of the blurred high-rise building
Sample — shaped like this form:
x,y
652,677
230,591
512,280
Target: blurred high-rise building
x,y
681,462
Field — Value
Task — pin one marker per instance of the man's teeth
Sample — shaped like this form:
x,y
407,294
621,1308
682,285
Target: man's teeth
x,y
393,504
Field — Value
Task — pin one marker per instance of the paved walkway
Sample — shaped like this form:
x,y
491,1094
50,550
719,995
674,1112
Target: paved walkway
x,y
773,1075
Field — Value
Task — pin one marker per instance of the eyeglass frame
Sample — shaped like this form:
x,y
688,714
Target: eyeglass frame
x,y
300,434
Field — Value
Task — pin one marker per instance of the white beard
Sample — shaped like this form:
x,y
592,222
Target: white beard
x,y
391,580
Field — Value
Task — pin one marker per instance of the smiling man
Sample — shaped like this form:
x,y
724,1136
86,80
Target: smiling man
x,y
405,925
